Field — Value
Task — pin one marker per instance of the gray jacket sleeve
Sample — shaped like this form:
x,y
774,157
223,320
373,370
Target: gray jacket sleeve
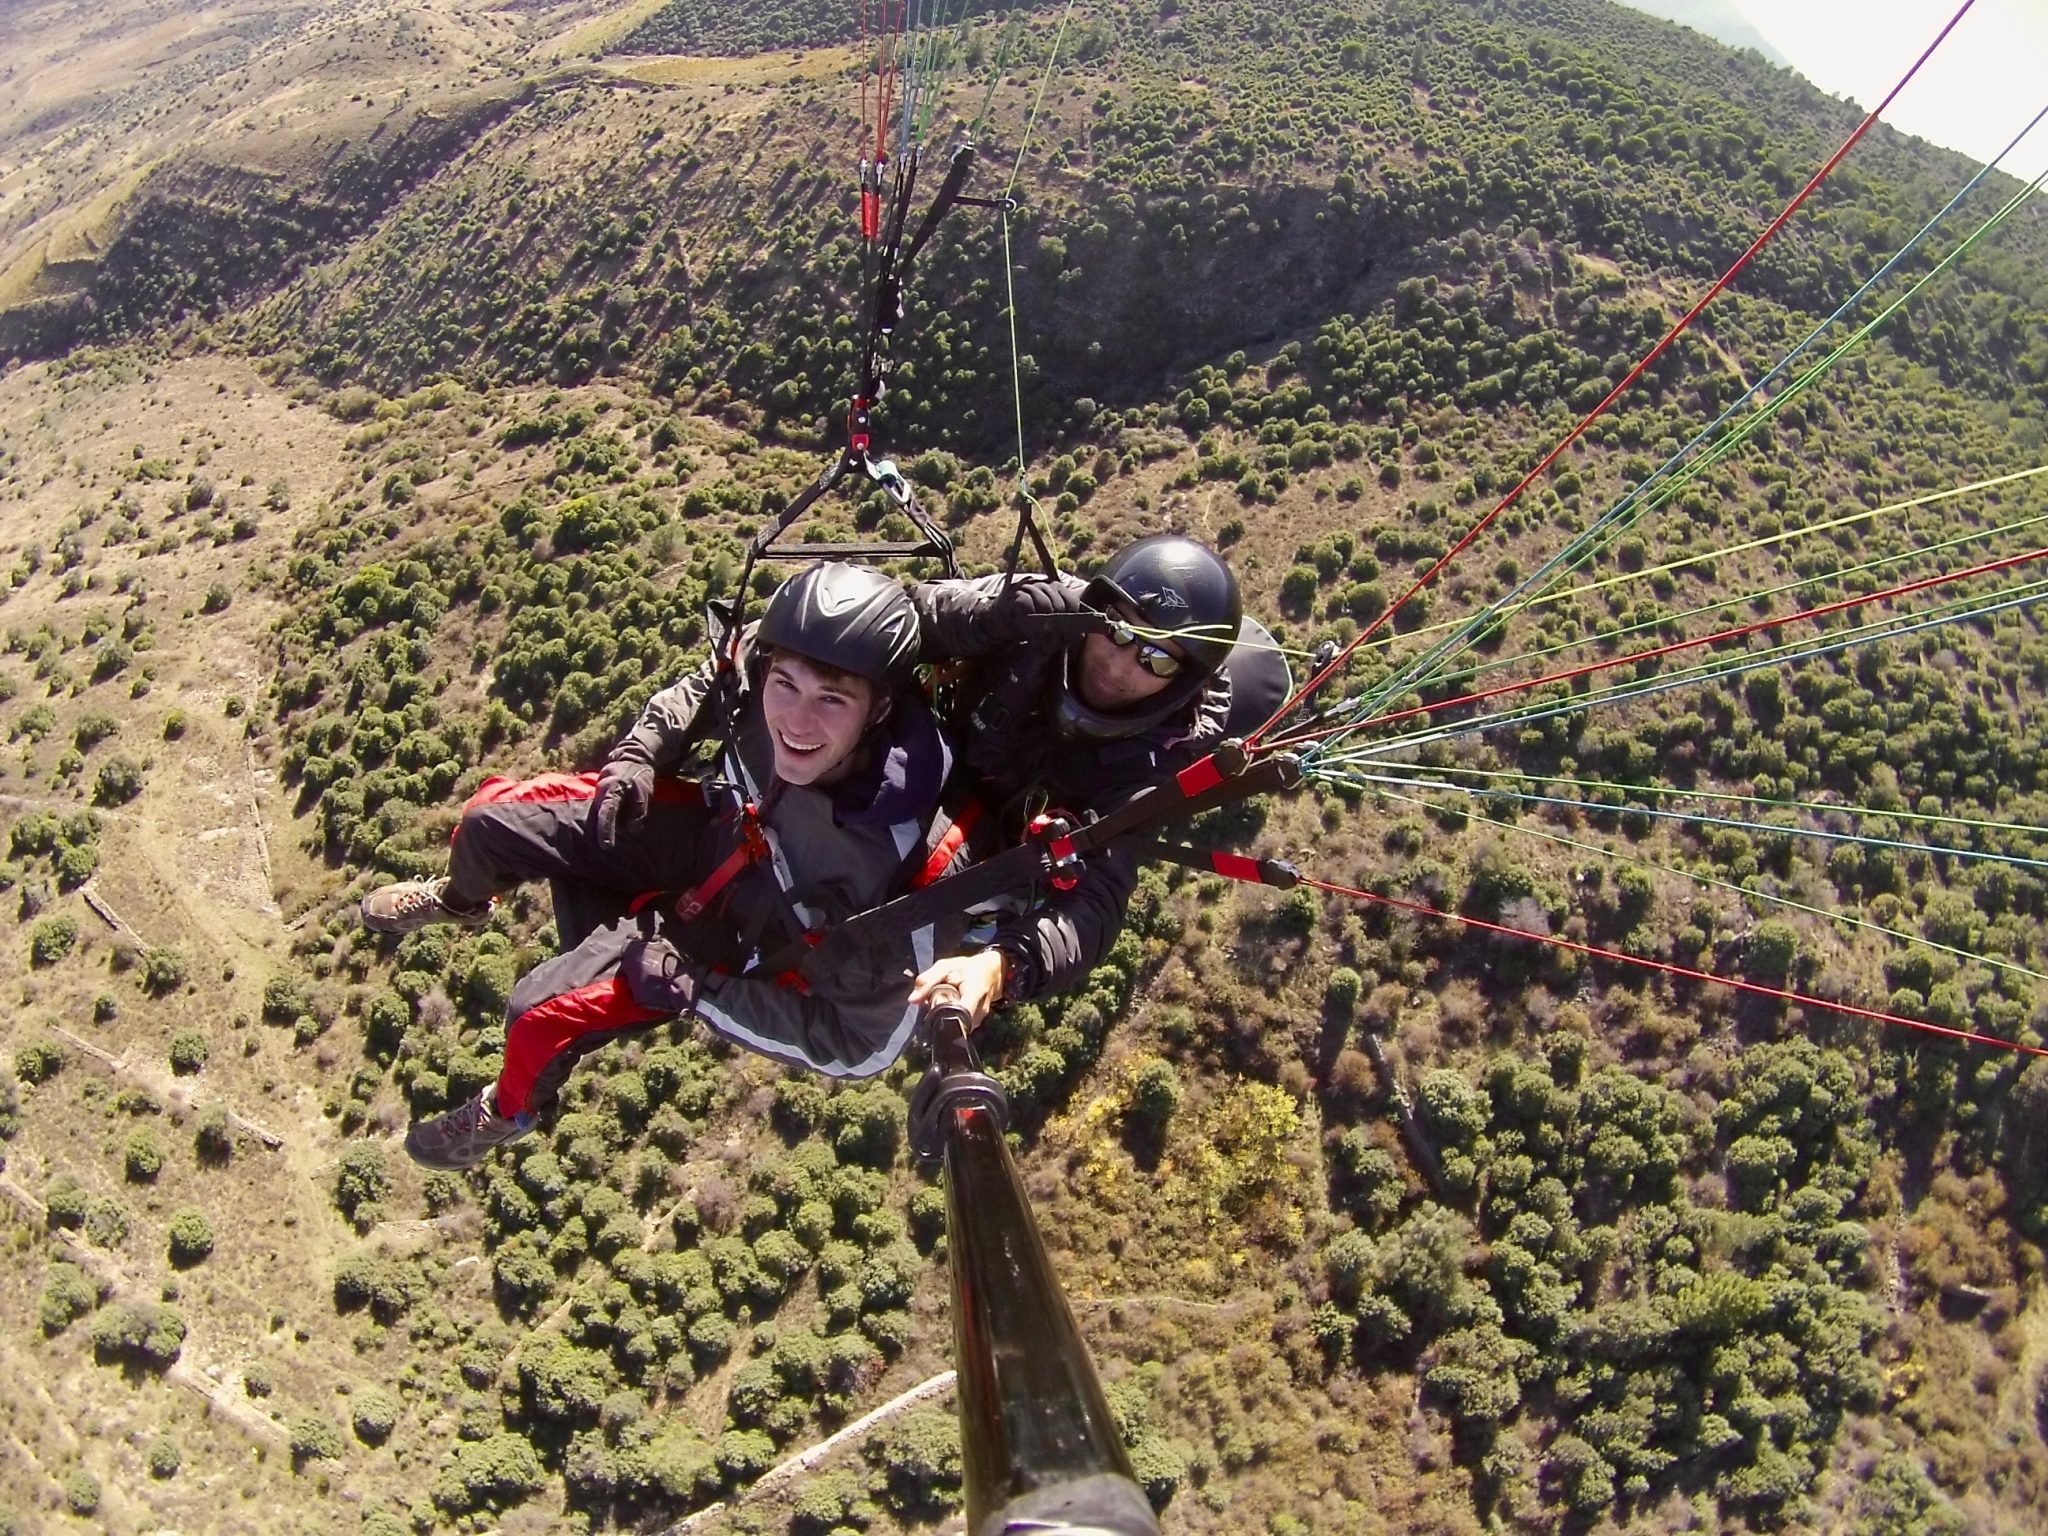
x,y
673,722
852,1023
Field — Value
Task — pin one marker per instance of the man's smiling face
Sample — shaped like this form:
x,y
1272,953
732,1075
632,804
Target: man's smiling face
x,y
816,716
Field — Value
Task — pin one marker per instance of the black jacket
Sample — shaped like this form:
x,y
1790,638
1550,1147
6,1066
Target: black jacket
x,y
1013,756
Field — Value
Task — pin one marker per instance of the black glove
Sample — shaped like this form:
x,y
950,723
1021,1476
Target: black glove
x,y
1039,610
625,788
658,977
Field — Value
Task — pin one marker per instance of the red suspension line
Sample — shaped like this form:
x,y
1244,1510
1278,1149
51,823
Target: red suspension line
x,y
1740,631
1670,336
1685,972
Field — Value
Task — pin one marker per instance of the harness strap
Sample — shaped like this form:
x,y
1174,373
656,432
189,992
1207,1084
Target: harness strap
x,y
949,846
751,849
1056,849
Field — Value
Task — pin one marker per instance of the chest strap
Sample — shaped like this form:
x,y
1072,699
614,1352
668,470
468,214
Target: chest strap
x,y
751,848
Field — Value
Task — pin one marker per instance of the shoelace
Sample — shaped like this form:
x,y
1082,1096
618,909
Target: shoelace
x,y
426,898
473,1116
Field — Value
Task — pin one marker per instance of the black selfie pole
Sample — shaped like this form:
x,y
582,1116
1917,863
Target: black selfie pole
x,y
1039,1448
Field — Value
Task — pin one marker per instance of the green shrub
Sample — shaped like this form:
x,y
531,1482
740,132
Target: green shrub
x,y
163,971
744,1454
373,1416
214,1140
284,998
81,1492
92,730
65,1203
919,1456
188,1053
164,1457
191,1238
363,1178
143,1159
494,1473
120,780
39,1062
67,1296
313,1438
52,939
1155,1092
105,1222
138,1333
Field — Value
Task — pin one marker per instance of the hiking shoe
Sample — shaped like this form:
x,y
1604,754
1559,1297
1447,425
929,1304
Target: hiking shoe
x,y
464,1136
415,904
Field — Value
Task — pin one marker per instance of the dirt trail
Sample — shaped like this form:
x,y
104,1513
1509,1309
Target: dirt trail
x,y
171,1092
804,1461
186,1371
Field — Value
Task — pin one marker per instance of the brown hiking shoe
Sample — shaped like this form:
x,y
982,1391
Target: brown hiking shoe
x,y
467,1134
414,904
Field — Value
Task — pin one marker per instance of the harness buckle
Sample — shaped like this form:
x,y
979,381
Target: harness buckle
x,y
1056,833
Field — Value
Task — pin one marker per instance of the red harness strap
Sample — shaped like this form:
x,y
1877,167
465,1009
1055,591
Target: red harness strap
x,y
948,845
751,849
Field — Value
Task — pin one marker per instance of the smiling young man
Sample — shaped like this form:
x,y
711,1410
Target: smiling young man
x,y
1077,726
825,803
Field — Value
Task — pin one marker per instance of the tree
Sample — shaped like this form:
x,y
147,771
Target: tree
x,y
191,1238
919,1456
313,1438
67,1296
373,1416
139,1333
52,939
143,1159
362,1180
81,1492
493,1473
163,971
119,780
1773,951
188,1053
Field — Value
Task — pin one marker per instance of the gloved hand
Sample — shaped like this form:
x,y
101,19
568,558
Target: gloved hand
x,y
658,977
1039,610
625,788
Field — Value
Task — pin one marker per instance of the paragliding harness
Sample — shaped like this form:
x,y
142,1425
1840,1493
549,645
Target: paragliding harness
x,y
1053,847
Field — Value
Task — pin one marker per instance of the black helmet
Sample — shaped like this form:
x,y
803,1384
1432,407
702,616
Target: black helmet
x,y
847,616
1179,587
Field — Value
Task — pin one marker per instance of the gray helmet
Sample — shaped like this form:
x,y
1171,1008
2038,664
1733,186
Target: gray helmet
x,y
851,617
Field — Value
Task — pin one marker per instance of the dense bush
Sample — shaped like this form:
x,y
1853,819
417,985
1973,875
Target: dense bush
x,y
138,1333
313,1438
191,1238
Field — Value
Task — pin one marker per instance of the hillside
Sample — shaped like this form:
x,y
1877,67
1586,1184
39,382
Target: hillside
x,y
353,448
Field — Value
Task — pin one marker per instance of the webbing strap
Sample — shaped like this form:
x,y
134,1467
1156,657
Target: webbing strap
x,y
1231,866
1023,866
751,848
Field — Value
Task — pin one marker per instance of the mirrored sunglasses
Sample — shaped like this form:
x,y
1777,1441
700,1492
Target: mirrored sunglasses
x,y
1154,658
